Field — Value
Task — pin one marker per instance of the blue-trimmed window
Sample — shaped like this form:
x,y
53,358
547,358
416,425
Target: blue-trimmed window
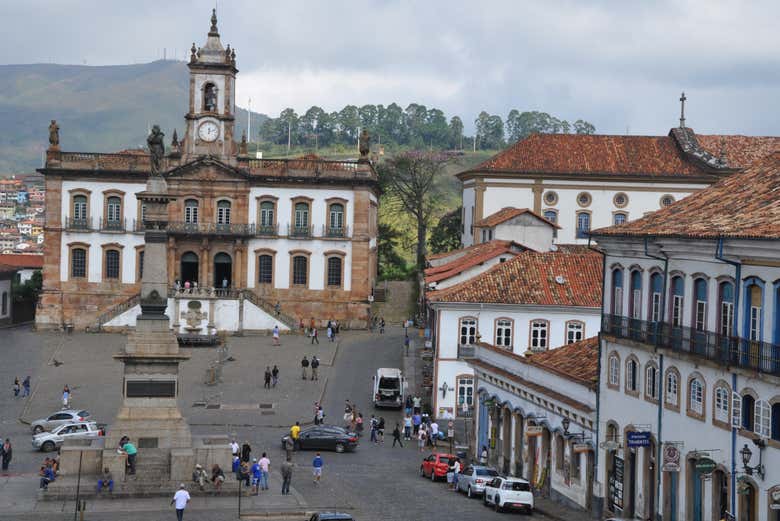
x,y
754,309
583,225
617,291
678,294
700,304
635,304
726,309
656,292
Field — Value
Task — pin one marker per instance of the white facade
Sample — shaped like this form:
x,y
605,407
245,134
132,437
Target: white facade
x,y
471,272
453,342
562,198
5,298
705,382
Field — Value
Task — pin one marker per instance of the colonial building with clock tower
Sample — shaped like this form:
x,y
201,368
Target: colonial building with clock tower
x,y
252,243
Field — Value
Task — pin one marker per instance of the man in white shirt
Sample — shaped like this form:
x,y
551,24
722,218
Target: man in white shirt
x,y
434,433
180,499
455,473
234,448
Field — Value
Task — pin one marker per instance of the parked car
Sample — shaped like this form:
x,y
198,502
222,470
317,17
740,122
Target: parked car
x,y
509,494
49,441
331,516
326,437
435,466
473,479
59,418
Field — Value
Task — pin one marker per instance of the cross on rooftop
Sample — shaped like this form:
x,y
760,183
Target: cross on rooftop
x,y
682,110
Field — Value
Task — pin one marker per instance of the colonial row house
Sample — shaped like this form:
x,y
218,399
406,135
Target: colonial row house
x,y
582,182
689,392
243,233
531,302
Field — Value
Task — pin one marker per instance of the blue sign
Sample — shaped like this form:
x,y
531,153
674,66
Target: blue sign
x,y
638,438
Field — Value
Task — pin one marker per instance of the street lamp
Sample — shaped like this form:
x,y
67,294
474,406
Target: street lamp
x,y
746,454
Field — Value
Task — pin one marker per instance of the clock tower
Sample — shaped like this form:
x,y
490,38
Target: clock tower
x,y
211,115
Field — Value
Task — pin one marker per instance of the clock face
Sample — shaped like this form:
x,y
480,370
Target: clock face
x,y
208,131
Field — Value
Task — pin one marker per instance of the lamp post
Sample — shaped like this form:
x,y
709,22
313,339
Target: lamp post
x,y
747,454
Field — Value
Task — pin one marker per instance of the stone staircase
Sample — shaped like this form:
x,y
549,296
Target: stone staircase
x,y
114,312
266,306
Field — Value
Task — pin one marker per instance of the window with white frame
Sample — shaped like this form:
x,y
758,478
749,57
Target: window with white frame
x,y
79,207
468,331
617,292
763,419
696,396
754,324
722,402
677,301
619,218
267,214
651,382
700,311
504,332
636,294
539,335
632,375
465,388
672,388
575,331
614,371
191,211
726,318
656,288
223,212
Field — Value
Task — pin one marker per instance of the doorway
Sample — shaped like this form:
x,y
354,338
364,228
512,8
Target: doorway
x,y
223,270
747,501
189,267
720,495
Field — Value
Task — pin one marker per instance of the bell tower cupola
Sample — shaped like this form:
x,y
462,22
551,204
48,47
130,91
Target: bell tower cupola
x,y
211,115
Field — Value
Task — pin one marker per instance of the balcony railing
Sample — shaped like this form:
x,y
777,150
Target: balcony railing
x,y
726,350
108,225
210,228
333,231
263,230
78,224
299,231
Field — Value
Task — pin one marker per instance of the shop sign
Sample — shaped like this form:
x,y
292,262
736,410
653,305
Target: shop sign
x,y
580,447
638,438
705,466
533,430
671,458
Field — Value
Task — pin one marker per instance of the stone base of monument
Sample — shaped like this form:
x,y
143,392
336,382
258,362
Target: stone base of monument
x,y
64,488
159,471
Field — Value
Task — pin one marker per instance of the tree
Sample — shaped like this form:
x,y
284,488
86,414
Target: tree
x,y
390,264
348,122
409,178
445,236
583,127
490,131
456,133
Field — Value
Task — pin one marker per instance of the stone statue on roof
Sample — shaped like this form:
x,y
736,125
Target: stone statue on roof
x,y
54,134
364,145
156,149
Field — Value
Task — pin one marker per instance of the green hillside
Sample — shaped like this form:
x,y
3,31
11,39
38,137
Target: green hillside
x,y
98,109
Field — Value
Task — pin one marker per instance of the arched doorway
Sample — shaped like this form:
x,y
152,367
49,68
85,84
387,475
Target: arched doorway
x,y
720,494
223,270
748,498
189,267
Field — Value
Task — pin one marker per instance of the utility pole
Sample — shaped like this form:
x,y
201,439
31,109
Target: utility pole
x,y
289,132
249,119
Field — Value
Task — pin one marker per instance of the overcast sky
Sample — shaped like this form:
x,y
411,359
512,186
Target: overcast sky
x,y
619,64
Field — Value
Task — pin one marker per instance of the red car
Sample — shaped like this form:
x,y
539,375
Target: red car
x,y
436,465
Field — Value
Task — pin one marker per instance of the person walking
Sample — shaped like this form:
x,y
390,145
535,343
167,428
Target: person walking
x,y
295,432
132,453
65,397
287,470
289,445
17,387
373,425
330,333
407,342
274,376
314,338
397,436
234,447
265,466
246,451
267,377
257,476
278,308
315,367
180,500
6,453
421,439
359,424
407,427
416,421
382,325
380,429
276,335
316,465
483,455
416,402
455,474
434,433
304,367
26,386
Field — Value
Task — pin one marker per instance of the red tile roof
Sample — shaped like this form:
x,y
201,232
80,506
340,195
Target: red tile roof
x,y
577,361
504,214
530,278
6,269
744,205
22,260
646,156
471,256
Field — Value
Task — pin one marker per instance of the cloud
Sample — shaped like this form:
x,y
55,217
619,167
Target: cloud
x,y
617,64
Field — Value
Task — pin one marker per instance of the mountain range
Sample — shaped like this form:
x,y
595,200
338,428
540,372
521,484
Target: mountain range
x,y
98,109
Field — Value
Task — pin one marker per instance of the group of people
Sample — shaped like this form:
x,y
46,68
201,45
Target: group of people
x,y
332,328
217,477
271,377
23,388
314,363
256,475
377,323
48,472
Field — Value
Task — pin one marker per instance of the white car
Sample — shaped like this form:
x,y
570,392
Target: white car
x,y
509,494
49,441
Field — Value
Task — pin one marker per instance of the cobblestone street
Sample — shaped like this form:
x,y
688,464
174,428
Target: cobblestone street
x,y
376,482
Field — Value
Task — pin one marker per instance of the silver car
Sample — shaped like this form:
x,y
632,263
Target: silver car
x,y
473,479
49,441
59,418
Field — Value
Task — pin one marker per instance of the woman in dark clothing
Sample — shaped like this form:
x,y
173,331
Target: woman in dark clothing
x,y
246,451
6,453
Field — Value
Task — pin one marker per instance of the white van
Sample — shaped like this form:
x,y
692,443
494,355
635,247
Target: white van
x,y
389,388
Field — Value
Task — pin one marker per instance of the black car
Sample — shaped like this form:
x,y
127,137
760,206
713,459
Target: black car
x,y
325,437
